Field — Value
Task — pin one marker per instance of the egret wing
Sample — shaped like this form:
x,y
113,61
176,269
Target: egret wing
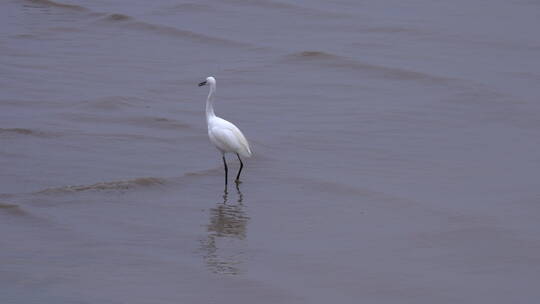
x,y
230,139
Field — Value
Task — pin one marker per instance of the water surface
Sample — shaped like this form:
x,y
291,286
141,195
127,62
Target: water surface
x,y
396,152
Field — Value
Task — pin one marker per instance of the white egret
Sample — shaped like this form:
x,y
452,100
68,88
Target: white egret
x,y
223,134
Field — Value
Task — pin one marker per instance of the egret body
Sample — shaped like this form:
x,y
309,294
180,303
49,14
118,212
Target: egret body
x,y
223,134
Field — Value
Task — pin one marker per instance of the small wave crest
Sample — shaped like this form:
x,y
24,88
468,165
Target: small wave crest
x,y
158,122
169,30
12,209
189,7
340,62
286,7
110,103
313,54
117,17
21,131
103,186
151,122
17,131
268,4
133,23
50,3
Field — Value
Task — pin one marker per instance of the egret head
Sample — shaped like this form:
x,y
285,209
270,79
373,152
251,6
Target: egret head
x,y
209,80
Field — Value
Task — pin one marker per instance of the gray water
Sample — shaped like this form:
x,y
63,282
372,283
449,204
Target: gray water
x,y
396,152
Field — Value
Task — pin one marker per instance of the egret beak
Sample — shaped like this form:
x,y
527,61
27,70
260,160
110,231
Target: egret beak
x,y
202,83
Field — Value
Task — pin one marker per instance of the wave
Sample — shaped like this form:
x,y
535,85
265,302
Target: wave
x,y
117,17
130,184
22,131
143,121
313,54
110,103
17,131
49,3
103,186
348,63
121,186
12,209
14,132
267,4
157,122
340,62
286,7
189,7
391,30
135,24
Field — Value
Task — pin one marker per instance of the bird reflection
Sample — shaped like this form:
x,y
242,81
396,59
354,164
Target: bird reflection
x,y
224,245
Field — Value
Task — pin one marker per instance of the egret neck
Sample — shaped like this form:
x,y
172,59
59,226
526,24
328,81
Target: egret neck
x,y
210,102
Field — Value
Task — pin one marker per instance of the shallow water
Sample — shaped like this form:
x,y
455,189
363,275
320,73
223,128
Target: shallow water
x,y
396,152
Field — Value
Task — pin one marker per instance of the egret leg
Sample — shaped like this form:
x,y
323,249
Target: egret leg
x,y
239,170
240,195
226,169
